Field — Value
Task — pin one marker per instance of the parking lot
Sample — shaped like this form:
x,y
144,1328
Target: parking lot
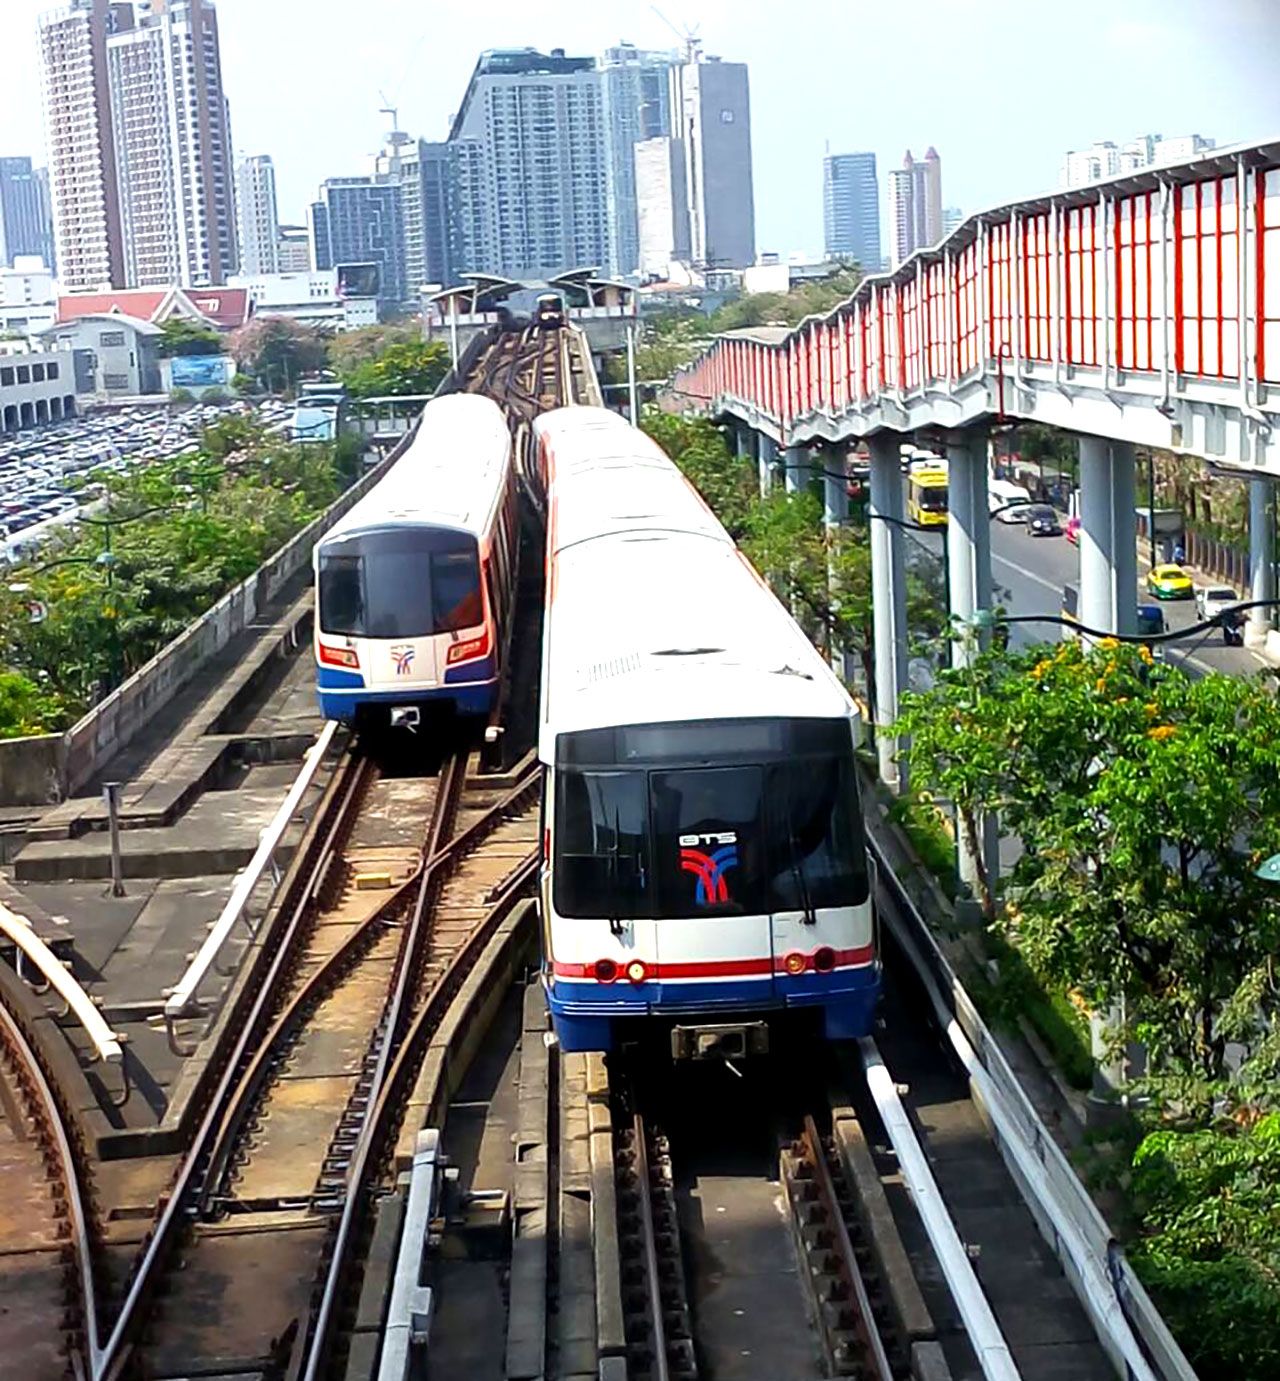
x,y
43,472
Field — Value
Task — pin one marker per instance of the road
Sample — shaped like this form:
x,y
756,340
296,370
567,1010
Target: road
x,y
1029,572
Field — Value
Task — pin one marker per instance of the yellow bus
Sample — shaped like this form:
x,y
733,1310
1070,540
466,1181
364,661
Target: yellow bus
x,y
927,497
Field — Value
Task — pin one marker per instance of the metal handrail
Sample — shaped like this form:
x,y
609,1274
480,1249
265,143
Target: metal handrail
x,y
181,1000
105,1041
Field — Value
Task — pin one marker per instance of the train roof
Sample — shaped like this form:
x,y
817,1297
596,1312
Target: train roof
x,y
654,615
453,474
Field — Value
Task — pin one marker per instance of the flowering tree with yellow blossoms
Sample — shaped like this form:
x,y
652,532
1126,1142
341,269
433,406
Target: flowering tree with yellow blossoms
x,y
1144,801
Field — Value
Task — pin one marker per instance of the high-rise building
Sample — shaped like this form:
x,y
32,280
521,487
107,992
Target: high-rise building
x,y
1106,159
636,109
915,204
259,218
537,126
951,218
172,137
293,249
425,174
358,220
851,208
77,99
711,117
662,206
26,222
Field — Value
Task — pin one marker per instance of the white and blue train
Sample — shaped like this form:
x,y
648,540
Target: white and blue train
x,y
415,586
705,873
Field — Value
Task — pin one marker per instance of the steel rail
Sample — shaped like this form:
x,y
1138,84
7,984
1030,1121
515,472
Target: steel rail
x,y
864,1319
344,790
452,779
653,1276
81,1246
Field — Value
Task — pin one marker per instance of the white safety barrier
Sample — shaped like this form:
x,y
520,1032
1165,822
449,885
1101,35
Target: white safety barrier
x,y
409,1313
1127,1323
181,1001
980,1326
54,972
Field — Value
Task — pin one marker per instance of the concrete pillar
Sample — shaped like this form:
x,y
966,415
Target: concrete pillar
x,y
968,537
888,597
1261,581
766,459
797,468
1124,538
1095,609
969,589
744,439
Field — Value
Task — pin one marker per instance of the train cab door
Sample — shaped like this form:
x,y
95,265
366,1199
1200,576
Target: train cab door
x,y
714,938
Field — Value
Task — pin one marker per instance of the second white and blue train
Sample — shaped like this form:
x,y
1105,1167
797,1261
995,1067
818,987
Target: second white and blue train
x,y
415,586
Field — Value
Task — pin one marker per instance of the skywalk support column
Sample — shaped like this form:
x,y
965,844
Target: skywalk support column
x,y
1261,580
1096,583
797,468
766,459
744,439
888,597
1124,538
835,510
969,589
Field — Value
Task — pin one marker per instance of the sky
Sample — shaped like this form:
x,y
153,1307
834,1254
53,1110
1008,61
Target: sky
x,y
1002,88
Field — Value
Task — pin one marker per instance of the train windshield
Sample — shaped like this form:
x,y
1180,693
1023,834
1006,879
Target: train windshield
x,y
709,840
400,583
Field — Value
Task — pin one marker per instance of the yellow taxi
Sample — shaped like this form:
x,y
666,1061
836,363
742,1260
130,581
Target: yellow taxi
x,y
1169,582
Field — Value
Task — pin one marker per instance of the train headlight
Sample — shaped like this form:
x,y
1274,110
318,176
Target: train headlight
x,y
636,971
468,650
824,959
339,656
605,970
795,963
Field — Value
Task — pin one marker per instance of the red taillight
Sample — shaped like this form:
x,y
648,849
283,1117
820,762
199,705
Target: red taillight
x,y
606,970
339,656
636,971
824,959
471,648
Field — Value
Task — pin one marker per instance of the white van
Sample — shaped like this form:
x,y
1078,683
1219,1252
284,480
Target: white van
x,y
1004,498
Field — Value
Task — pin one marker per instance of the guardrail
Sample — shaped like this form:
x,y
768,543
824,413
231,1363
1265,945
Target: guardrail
x,y
1127,1323
181,1001
405,1335
30,946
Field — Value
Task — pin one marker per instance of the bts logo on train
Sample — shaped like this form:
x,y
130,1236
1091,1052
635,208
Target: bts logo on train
x,y
709,867
403,657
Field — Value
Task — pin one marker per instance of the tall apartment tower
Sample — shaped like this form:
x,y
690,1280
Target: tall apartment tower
x,y
915,204
711,118
534,123
851,208
259,218
636,109
662,206
77,100
26,222
172,137
359,220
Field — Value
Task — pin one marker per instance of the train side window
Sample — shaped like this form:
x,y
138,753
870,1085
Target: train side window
x,y
455,590
816,854
341,595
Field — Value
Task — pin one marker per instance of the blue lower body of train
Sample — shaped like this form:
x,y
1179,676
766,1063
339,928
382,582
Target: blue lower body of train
x,y
343,694
843,1003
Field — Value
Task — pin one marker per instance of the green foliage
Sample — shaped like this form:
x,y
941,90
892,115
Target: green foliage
x,y
26,708
181,395
348,350
178,336
414,366
276,353
698,447
1210,1249
923,825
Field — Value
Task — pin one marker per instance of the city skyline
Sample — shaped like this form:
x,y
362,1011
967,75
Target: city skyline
x,y
318,136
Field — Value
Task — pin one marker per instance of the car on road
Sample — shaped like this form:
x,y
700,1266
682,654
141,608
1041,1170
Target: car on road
x,y
1212,600
1072,530
1042,521
1169,582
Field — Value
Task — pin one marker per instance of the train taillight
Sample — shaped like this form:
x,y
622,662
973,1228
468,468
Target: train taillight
x,y
636,971
824,959
470,648
339,656
605,970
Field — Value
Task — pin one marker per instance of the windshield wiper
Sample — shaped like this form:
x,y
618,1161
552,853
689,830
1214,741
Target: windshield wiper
x,y
797,872
615,919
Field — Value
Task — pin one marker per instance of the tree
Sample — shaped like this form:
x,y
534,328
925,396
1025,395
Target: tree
x,y
730,487
180,336
410,367
348,350
276,353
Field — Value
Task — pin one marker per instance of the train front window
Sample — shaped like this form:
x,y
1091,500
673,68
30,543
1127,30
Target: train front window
x,y
707,841
400,583
817,857
601,863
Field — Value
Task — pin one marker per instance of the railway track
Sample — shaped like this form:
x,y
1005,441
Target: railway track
x,y
527,371
257,1248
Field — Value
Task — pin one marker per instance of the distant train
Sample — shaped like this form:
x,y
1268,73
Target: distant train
x,y
705,874
415,586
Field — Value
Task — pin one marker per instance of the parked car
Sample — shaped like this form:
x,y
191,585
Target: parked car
x,y
1042,521
1212,600
1169,582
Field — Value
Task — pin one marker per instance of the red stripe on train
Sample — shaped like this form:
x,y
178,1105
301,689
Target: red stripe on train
x,y
712,968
